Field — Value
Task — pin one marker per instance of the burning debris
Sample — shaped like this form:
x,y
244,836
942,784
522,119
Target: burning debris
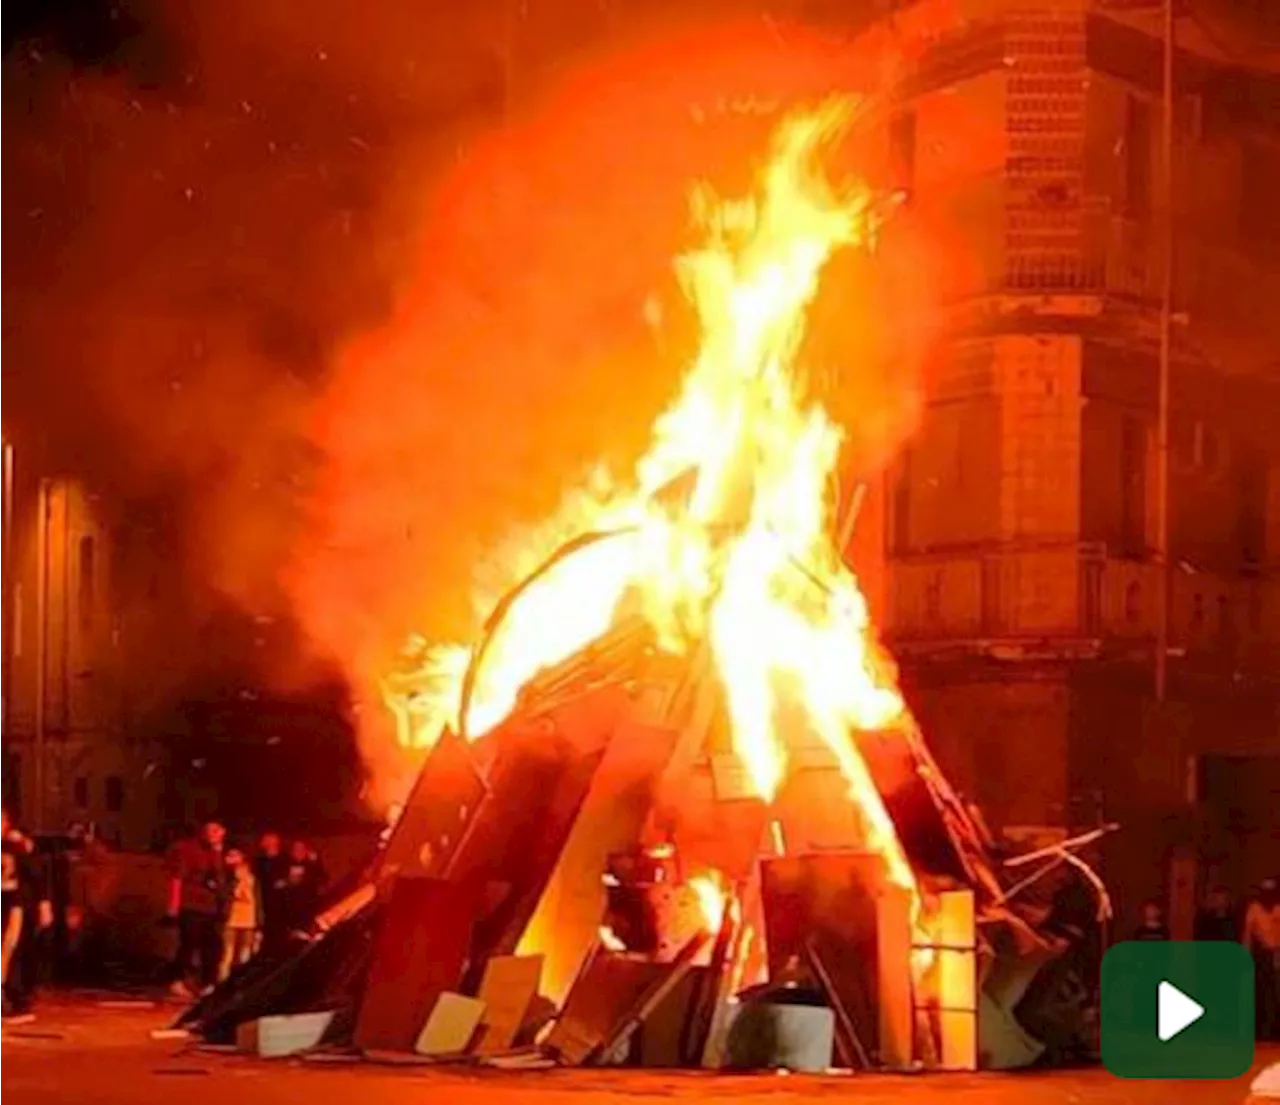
x,y
675,810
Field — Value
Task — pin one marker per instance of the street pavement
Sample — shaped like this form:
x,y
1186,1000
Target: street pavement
x,y
80,1051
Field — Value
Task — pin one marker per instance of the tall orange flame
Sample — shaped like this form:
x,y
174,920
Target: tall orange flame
x,y
748,562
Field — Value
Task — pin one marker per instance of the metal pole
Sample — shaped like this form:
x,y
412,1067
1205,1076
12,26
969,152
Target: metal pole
x,y
512,10
1166,343
9,573
42,647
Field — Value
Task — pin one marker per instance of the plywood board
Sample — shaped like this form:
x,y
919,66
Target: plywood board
x,y
508,988
845,906
444,798
607,990
418,953
893,960
565,924
921,825
537,788
450,1026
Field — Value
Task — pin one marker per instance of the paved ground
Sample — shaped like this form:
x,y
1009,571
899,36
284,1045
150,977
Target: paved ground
x,y
79,1052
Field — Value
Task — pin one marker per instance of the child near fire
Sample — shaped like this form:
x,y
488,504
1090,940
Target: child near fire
x,y
240,936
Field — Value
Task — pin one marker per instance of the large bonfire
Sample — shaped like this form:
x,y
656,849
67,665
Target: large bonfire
x,y
724,537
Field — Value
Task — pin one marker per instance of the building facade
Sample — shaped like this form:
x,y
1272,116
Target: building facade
x,y
70,752
1021,528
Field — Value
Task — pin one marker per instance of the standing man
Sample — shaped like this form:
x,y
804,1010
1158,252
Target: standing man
x,y
198,888
272,872
1216,920
1262,938
1153,925
26,911
304,881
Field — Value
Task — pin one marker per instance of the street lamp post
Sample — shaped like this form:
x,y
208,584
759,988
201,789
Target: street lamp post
x,y
6,554
42,651
1166,350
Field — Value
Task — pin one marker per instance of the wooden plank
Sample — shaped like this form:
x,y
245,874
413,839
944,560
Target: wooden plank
x,y
566,922
832,902
673,975
712,991
418,953
445,796
541,776
608,987
957,973
662,1038
508,988
894,985
852,1051
451,1025
922,824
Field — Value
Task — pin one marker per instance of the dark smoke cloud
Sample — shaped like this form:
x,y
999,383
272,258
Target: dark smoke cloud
x,y
192,223
201,202
244,247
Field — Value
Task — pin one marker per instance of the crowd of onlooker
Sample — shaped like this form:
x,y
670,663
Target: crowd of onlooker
x,y
229,902
26,909
1256,926
226,903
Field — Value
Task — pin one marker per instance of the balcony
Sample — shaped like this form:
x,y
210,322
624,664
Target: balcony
x,y
1071,598
1121,257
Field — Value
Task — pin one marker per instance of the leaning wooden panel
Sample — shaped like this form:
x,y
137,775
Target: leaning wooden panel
x,y
419,952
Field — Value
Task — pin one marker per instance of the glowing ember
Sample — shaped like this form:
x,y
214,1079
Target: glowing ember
x,y
609,939
745,559
711,900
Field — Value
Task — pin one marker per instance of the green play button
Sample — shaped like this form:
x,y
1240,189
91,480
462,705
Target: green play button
x,y
1177,1010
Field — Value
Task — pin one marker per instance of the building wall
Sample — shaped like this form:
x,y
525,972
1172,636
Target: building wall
x,y
69,755
1021,522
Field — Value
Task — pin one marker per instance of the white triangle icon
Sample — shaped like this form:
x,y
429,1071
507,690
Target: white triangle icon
x,y
1174,1011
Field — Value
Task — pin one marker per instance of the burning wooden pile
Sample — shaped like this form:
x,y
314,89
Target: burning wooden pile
x,y
679,813
590,883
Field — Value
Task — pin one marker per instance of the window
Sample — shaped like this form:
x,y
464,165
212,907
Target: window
x,y
86,594
12,788
17,621
115,794
1091,596
933,598
1226,622
900,534
1133,603
902,149
1252,479
1208,450
80,792
991,599
1133,487
1259,212
1137,158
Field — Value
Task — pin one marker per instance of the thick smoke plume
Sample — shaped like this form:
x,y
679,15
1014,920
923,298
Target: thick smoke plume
x,y
343,297
201,203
